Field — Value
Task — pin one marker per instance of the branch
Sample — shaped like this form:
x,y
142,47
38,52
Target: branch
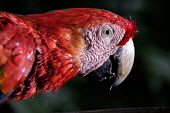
x,y
130,110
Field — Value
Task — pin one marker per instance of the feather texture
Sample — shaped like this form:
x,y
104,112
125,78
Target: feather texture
x,y
42,51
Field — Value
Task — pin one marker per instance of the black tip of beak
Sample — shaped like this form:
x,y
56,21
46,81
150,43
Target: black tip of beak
x,y
115,83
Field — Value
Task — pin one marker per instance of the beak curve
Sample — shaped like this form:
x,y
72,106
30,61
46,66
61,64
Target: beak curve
x,y
125,59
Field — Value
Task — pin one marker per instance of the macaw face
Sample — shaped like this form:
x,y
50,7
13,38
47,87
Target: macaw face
x,y
101,41
103,58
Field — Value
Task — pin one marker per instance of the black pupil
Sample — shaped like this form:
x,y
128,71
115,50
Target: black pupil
x,y
107,32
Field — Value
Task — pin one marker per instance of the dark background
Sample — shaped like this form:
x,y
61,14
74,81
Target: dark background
x,y
147,85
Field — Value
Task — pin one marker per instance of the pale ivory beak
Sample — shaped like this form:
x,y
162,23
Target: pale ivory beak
x,y
125,63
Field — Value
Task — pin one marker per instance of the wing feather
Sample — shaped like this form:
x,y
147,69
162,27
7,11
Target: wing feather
x,y
17,51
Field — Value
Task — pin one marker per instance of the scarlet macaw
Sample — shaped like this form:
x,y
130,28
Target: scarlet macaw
x,y
42,51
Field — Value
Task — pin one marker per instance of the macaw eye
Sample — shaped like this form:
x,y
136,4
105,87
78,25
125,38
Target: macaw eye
x,y
107,32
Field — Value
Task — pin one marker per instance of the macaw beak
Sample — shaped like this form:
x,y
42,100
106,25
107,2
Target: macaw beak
x,y
117,67
125,59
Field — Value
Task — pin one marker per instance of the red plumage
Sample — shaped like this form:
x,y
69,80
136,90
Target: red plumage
x,y
131,31
55,44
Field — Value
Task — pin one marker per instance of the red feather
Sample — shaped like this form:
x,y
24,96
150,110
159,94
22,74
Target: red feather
x,y
131,31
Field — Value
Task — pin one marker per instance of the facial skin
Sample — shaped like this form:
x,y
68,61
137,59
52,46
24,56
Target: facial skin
x,y
101,42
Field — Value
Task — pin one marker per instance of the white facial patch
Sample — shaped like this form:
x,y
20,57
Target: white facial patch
x,y
101,42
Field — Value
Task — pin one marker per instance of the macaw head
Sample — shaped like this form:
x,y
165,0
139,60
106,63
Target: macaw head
x,y
108,50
